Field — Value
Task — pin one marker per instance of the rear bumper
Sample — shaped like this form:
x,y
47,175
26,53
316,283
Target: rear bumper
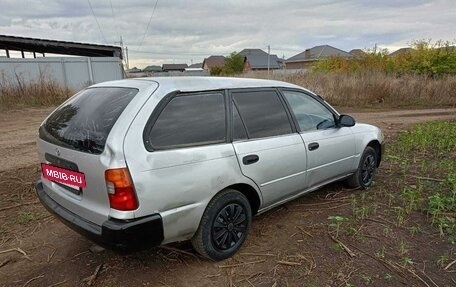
x,y
116,234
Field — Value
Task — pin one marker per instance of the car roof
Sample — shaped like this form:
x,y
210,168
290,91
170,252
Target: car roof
x,y
191,84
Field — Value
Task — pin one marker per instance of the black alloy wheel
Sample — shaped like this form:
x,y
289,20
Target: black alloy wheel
x,y
224,225
369,166
365,174
229,227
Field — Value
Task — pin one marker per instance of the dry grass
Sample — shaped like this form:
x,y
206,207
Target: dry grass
x,y
347,90
376,89
17,92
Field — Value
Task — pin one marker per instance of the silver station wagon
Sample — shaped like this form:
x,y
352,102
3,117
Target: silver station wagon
x,y
143,162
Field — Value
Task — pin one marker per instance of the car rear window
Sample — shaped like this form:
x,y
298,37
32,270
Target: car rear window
x,y
84,122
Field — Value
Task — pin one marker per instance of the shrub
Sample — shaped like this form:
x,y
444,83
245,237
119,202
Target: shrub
x,y
216,71
425,58
234,64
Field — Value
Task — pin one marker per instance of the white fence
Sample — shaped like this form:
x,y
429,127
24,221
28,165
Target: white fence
x,y
168,74
286,72
72,72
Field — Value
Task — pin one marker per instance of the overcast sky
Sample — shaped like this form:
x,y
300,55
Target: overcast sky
x,y
186,31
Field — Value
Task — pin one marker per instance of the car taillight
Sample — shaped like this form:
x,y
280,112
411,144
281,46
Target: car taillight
x,y
122,195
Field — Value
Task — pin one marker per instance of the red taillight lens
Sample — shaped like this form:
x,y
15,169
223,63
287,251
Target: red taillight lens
x,y
122,195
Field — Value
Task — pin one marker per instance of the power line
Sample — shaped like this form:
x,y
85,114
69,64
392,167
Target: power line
x,y
169,53
114,19
96,20
148,24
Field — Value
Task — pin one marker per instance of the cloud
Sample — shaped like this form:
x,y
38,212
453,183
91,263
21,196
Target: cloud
x,y
181,31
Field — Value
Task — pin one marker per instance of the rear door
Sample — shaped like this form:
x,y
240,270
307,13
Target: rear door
x,y
330,149
268,149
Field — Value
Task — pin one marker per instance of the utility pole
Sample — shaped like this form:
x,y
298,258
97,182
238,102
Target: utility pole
x,y
128,60
124,53
269,52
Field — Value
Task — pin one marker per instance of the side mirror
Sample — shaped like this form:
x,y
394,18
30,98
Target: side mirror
x,y
346,121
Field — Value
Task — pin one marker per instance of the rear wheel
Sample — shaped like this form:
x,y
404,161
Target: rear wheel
x,y
364,175
224,225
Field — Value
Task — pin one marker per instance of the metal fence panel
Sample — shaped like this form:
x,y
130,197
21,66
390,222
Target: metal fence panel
x,y
72,72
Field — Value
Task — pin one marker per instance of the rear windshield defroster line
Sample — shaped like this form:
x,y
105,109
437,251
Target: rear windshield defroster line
x,y
84,122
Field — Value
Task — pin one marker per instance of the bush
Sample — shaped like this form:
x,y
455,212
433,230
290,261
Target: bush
x,y
216,71
428,58
234,64
425,58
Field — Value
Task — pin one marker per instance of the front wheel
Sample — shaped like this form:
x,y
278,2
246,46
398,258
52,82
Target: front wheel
x,y
364,175
224,225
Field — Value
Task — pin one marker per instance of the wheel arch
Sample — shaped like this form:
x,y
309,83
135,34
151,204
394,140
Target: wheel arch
x,y
250,193
203,240
375,144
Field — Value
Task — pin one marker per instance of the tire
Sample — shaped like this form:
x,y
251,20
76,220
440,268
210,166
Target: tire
x,y
224,225
364,175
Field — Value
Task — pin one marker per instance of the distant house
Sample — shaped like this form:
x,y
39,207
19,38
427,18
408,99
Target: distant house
x,y
174,67
212,62
196,66
309,57
134,70
401,51
357,53
152,69
281,62
195,70
257,59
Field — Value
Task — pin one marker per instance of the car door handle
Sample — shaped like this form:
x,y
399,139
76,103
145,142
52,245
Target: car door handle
x,y
313,146
249,159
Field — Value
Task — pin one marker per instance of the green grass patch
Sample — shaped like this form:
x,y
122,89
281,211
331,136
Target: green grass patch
x,y
435,139
412,202
428,153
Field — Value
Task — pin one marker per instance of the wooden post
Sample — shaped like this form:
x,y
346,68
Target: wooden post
x,y
7,53
22,52
34,55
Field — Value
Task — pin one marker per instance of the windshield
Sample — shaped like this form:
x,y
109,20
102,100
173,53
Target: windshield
x,y
84,122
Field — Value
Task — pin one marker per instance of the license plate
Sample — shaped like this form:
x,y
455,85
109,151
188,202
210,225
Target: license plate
x,y
64,176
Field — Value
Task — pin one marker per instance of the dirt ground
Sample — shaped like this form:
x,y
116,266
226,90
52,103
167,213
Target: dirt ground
x,y
288,246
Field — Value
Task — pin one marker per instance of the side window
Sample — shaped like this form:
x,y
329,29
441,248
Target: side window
x,y
310,114
239,132
189,120
263,113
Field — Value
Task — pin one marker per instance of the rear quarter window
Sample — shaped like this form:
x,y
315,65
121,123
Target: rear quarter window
x,y
189,120
84,122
